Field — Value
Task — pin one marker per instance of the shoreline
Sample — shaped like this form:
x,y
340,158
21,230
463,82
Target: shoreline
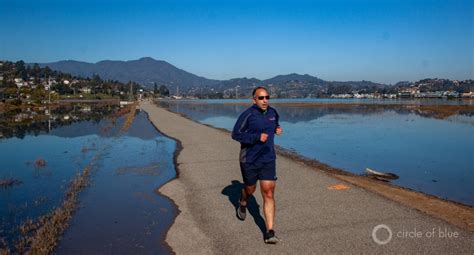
x,y
176,153
453,212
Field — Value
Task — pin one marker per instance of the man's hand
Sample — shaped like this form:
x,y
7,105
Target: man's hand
x,y
263,137
278,131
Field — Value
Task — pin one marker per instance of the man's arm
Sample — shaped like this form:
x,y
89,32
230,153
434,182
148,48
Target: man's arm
x,y
278,129
239,132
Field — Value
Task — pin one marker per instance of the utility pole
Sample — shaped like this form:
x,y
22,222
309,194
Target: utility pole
x,y
49,91
130,98
49,119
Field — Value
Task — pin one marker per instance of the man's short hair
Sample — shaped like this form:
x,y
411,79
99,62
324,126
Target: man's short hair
x,y
257,88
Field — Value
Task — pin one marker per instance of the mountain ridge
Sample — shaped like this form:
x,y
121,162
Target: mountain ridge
x,y
145,71
148,71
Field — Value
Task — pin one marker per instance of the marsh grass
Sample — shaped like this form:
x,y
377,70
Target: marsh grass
x,y
42,236
40,163
9,182
129,118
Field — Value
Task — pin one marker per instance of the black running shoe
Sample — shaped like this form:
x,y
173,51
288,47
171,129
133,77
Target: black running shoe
x,y
270,237
241,211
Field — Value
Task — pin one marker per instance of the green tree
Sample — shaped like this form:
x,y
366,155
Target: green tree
x,y
62,89
10,92
21,69
47,72
164,91
38,94
36,73
96,80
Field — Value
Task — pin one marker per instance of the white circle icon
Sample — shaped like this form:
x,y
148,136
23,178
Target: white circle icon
x,y
376,239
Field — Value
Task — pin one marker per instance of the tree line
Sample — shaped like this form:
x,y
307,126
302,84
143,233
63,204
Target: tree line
x,y
22,82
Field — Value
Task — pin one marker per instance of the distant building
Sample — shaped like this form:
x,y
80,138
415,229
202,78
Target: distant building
x,y
341,96
390,96
52,82
20,83
404,94
86,90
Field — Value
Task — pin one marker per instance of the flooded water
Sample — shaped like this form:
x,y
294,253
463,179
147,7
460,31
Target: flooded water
x,y
431,149
120,211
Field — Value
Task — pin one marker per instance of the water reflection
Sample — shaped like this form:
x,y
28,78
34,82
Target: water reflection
x,y
295,111
19,122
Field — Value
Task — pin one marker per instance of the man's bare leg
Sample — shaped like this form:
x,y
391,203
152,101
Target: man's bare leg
x,y
268,190
246,193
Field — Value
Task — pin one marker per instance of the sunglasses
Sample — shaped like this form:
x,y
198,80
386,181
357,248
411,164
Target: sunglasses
x,y
262,97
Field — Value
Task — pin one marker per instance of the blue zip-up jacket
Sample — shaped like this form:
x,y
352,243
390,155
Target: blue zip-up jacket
x,y
250,124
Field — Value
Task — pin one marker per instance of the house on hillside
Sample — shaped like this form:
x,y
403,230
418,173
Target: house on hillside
x,y
19,82
48,83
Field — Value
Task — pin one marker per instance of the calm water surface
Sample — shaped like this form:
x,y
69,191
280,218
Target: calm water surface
x,y
430,154
119,212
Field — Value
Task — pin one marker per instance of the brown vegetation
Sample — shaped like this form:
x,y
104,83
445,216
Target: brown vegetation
x,y
130,117
39,163
4,250
9,182
41,236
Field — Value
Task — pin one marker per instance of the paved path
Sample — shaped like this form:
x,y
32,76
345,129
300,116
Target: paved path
x,y
310,217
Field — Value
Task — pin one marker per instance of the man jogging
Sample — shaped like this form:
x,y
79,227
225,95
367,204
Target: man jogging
x,y
255,129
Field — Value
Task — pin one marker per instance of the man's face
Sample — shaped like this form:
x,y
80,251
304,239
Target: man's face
x,y
261,99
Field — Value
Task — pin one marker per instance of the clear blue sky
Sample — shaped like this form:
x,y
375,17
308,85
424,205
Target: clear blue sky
x,y
382,41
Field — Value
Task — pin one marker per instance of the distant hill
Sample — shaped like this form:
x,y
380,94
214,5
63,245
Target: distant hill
x,y
297,85
144,71
278,80
281,79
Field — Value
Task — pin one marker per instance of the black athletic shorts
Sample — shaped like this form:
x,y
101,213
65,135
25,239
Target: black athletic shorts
x,y
251,172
